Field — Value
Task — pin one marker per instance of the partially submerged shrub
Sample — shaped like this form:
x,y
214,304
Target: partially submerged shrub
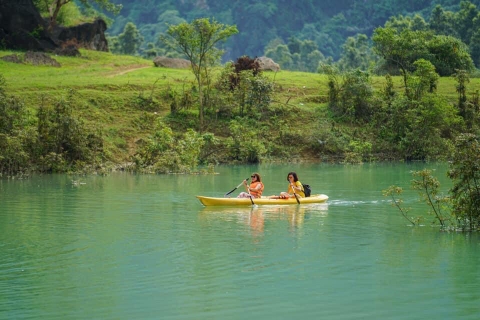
x,y
165,153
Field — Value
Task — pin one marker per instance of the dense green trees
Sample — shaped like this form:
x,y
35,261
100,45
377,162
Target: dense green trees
x,y
333,27
329,31
356,54
419,124
401,49
128,42
302,55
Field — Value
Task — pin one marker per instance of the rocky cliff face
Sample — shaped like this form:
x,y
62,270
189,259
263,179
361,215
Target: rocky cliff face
x,y
22,28
88,35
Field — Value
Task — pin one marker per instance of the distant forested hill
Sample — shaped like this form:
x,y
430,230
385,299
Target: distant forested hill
x,y
328,23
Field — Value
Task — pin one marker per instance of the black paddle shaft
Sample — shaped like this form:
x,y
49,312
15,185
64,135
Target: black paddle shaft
x,y
226,194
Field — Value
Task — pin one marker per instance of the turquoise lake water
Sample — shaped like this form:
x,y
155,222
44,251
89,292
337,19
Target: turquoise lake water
x,y
143,247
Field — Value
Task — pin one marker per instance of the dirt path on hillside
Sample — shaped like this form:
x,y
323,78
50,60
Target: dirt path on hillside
x,y
124,71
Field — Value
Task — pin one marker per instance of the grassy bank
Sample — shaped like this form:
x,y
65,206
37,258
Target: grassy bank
x,y
123,96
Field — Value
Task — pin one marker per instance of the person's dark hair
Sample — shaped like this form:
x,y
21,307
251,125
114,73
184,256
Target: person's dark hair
x,y
259,179
295,178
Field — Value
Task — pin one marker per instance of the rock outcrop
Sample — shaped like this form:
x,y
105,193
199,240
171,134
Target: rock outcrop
x,y
14,58
34,58
40,59
88,35
171,63
267,64
22,28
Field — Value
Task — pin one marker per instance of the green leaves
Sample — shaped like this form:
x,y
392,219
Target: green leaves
x,y
351,99
53,7
394,192
465,173
197,41
130,40
163,152
402,49
243,144
428,187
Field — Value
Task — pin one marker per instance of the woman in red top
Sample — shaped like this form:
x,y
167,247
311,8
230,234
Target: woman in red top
x,y
255,189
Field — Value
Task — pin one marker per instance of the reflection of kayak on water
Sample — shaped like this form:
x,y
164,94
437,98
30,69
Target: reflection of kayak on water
x,y
255,216
212,201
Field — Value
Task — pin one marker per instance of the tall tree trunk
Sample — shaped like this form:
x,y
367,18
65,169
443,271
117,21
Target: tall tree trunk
x,y
54,9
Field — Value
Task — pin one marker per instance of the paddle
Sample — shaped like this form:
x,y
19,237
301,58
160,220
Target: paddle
x,y
251,199
226,194
295,194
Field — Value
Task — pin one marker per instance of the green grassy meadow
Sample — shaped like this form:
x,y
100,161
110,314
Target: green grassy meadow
x,y
107,89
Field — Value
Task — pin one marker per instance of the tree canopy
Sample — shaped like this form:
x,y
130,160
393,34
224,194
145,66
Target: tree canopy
x,y
197,41
53,7
401,49
327,23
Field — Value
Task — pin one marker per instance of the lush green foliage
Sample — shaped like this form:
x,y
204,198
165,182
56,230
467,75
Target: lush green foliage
x,y
428,188
465,173
197,41
352,99
244,144
59,141
128,42
401,50
460,210
245,91
298,35
296,55
162,152
63,138
418,124
267,115
15,138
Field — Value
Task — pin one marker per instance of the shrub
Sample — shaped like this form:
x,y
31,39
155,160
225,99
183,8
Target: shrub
x,y
465,173
243,144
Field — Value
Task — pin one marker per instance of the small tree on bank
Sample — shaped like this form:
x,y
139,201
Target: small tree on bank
x,y
197,41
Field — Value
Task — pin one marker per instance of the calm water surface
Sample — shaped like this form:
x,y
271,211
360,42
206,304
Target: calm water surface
x,y
143,247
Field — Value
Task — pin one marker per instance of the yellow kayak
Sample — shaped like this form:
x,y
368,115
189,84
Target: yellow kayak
x,y
212,201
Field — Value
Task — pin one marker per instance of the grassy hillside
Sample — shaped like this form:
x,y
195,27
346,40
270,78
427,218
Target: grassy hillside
x,y
123,95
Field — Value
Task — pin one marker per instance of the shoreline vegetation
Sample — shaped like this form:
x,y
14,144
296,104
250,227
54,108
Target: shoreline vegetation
x,y
102,112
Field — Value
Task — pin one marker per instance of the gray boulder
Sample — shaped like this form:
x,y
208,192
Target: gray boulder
x,y
14,58
40,59
173,63
267,64
34,58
